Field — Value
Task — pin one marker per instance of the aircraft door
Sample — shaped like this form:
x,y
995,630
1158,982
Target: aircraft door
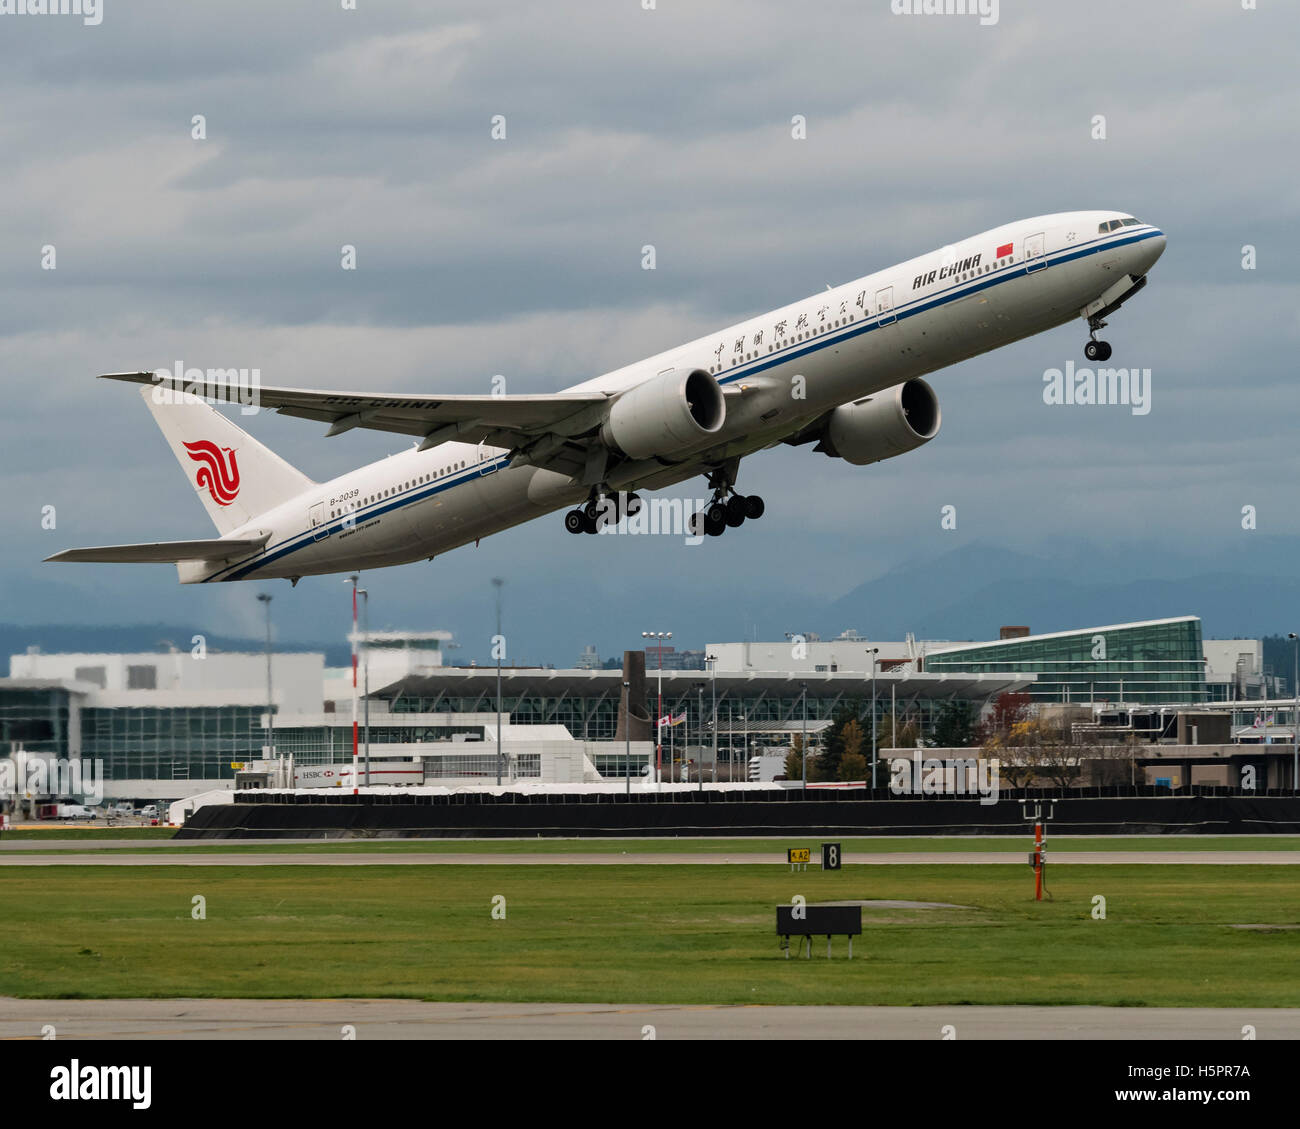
x,y
1034,247
316,518
885,305
482,455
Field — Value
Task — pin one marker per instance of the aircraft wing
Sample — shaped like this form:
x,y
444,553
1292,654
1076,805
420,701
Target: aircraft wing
x,y
503,421
164,552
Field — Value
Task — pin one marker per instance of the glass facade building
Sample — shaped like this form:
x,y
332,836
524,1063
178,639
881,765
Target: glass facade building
x,y
332,744
172,743
750,707
1157,662
37,718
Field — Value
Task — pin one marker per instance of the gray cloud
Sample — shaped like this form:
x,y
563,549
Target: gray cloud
x,y
627,127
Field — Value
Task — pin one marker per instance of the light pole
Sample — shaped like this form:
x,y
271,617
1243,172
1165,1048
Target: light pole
x,y
365,663
659,709
496,646
712,660
874,651
744,745
803,760
353,581
699,768
270,723
627,737
1295,712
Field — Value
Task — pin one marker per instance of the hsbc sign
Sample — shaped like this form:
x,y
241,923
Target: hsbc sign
x,y
319,776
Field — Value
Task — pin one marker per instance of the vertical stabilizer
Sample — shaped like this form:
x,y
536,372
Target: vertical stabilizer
x,y
236,477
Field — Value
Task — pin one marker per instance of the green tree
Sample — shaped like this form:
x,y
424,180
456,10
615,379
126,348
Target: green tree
x,y
853,766
832,750
794,759
954,726
904,738
851,738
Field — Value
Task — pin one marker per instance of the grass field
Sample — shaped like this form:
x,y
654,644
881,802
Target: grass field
x,y
648,934
770,849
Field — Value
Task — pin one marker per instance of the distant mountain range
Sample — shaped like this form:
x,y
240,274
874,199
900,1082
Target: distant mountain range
x,y
55,638
972,591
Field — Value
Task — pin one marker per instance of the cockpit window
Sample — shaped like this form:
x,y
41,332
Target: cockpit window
x,y
1131,222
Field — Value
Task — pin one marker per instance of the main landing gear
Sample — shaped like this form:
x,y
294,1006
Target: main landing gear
x,y
727,510
602,510
1096,350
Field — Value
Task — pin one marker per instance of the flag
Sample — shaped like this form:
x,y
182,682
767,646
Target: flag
x,y
681,717
1004,250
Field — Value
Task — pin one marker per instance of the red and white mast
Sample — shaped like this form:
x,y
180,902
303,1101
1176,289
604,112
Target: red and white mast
x,y
354,686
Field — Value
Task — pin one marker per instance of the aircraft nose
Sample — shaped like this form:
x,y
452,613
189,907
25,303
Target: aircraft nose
x,y
1148,251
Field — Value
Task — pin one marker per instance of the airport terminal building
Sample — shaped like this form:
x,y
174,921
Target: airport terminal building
x,y
1156,662
168,725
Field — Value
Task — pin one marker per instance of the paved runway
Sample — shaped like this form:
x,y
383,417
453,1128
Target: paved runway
x,y
900,858
413,1019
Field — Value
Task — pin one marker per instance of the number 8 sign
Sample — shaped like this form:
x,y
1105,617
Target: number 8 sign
x,y
830,856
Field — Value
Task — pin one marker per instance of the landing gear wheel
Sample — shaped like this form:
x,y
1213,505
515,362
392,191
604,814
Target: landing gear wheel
x,y
590,524
1096,350
697,524
715,519
575,521
735,507
754,507
601,512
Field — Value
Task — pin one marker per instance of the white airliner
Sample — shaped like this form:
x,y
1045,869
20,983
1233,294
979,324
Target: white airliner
x,y
840,369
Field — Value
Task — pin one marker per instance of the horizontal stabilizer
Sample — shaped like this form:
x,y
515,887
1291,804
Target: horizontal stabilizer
x,y
164,552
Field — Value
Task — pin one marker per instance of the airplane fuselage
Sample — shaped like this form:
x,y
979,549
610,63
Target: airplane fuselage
x,y
794,364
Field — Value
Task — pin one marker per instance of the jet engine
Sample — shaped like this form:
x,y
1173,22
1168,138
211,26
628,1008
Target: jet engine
x,y
666,416
883,425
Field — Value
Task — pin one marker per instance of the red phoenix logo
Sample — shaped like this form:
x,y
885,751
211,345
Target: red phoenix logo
x,y
219,473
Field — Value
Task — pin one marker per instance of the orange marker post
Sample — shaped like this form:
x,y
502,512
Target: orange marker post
x,y
1038,862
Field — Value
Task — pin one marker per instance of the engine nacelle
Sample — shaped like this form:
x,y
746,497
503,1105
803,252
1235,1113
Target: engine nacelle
x,y
665,416
889,423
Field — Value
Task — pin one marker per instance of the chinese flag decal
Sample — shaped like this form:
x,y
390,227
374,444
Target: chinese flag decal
x,y
1004,250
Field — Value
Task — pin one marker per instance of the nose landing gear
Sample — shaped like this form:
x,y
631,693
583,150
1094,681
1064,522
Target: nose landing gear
x,y
1096,350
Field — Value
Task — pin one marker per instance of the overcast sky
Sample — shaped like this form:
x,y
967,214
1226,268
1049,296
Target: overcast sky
x,y
522,256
